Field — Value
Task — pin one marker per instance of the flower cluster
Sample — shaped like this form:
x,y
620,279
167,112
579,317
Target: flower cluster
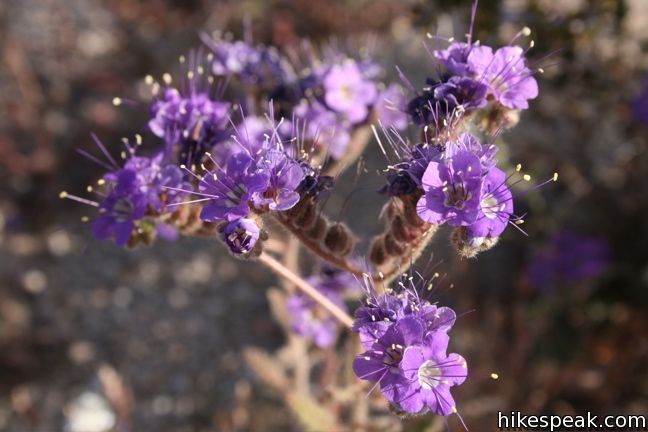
x,y
333,98
134,195
476,76
218,167
190,124
329,97
450,175
458,185
406,342
254,65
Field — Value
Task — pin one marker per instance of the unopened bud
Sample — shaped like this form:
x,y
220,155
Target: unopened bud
x,y
338,239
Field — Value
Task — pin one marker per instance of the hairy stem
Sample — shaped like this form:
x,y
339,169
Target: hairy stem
x,y
316,248
396,266
306,288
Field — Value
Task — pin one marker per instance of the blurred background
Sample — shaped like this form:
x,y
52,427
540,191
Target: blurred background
x,y
151,339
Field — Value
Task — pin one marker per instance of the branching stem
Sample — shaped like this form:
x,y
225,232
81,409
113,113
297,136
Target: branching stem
x,y
306,288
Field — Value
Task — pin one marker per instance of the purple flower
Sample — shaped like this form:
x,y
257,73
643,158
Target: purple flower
x,y
250,137
324,127
380,363
288,94
194,122
569,257
461,92
382,311
241,236
374,319
452,190
445,98
390,107
308,320
495,209
229,190
124,205
455,57
427,375
254,65
153,179
469,142
640,104
408,357
233,57
313,183
399,181
285,176
348,92
405,341
506,73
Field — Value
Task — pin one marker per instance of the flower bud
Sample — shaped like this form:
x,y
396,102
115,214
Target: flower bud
x,y
318,230
338,239
241,236
468,246
392,246
377,254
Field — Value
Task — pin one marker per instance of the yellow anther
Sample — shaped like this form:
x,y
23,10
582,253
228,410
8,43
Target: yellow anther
x,y
494,376
63,194
116,101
